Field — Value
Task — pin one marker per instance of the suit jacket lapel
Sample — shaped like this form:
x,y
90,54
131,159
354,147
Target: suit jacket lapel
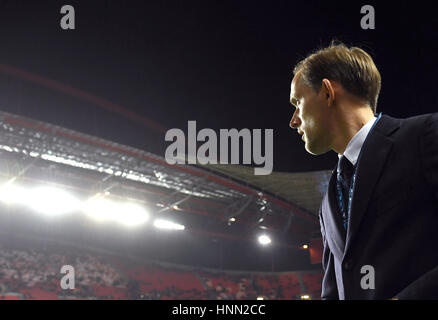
x,y
332,220
374,153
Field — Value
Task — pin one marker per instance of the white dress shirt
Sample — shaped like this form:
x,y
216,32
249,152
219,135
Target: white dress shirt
x,y
355,145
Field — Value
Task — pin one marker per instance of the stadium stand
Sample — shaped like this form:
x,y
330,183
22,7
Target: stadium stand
x,y
312,283
35,274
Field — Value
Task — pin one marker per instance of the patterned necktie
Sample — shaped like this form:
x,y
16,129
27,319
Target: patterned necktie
x,y
346,169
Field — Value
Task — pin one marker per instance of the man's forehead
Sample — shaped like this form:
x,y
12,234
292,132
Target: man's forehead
x,y
294,87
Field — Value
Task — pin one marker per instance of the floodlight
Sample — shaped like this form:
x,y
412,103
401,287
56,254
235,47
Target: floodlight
x,y
264,240
103,209
168,225
100,209
10,194
131,215
51,201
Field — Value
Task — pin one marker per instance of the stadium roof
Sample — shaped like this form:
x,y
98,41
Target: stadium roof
x,y
216,201
305,189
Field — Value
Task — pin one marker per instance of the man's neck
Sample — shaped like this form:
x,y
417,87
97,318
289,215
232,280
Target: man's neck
x,y
348,125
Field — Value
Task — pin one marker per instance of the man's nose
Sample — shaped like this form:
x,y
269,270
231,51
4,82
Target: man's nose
x,y
295,121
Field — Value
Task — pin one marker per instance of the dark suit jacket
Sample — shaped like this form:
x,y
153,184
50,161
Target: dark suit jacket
x,y
394,216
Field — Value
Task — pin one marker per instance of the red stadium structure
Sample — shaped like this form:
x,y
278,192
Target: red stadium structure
x,y
68,198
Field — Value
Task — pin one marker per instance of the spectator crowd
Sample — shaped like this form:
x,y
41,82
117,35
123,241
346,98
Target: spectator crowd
x,y
36,274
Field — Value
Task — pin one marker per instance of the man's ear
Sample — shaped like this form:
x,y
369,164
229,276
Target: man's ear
x,y
328,91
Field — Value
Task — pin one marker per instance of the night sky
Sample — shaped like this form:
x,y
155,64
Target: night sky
x,y
225,64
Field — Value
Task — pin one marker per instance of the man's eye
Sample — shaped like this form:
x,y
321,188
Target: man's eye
x,y
296,103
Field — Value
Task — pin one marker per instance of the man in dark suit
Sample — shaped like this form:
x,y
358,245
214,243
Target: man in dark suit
x,y
379,216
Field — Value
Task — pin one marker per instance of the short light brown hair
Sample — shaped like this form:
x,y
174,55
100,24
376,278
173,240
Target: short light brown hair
x,y
352,67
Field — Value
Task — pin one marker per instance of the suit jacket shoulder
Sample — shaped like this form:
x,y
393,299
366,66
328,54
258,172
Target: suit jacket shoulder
x,y
393,216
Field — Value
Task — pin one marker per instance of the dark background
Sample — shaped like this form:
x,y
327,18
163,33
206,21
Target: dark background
x,y
225,64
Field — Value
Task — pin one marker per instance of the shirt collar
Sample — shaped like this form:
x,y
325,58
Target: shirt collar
x,y
355,145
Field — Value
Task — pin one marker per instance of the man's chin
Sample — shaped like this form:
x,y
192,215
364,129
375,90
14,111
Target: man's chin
x,y
315,150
